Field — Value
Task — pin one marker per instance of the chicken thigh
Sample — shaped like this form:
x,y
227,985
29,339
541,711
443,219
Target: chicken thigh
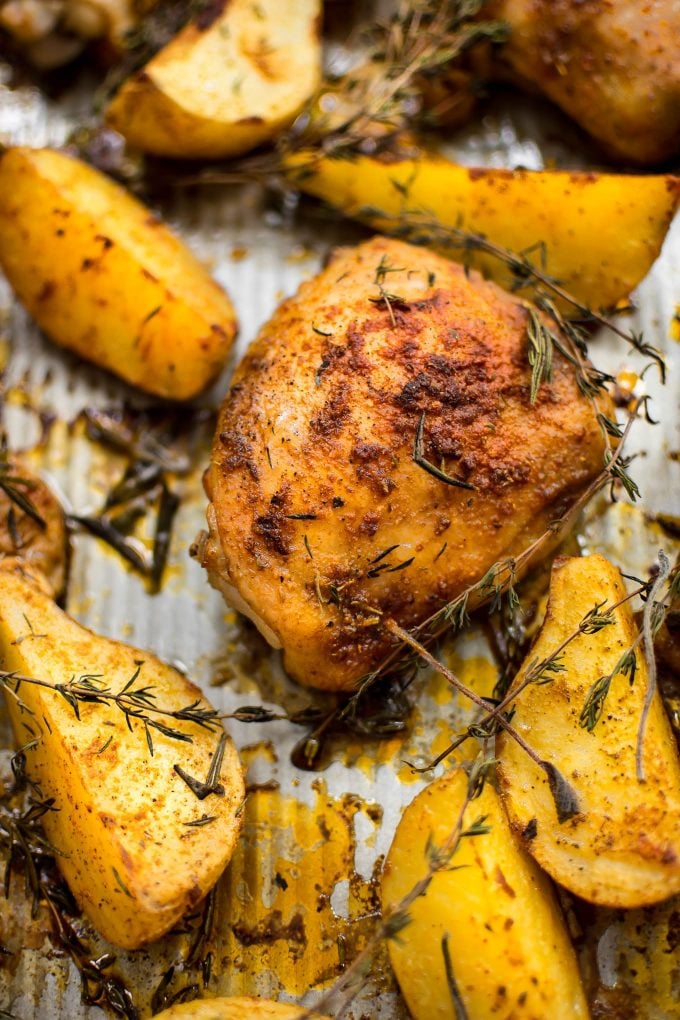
x,y
321,523
612,65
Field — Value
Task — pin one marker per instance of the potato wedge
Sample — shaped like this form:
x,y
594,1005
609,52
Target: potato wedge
x,y
33,536
107,280
233,78
598,234
122,815
623,848
243,1007
508,946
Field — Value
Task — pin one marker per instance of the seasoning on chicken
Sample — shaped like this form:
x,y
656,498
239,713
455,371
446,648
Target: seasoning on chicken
x,y
321,523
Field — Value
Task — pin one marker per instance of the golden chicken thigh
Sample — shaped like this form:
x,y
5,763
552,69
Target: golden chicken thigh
x,y
321,523
612,65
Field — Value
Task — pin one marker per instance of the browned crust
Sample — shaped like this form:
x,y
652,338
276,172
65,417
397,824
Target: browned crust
x,y
312,474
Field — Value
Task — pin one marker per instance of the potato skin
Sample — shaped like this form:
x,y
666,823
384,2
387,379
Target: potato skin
x,y
120,819
601,232
509,948
105,279
242,1007
623,850
222,87
25,546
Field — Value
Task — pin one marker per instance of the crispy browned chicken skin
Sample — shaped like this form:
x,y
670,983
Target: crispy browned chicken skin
x,y
612,65
320,520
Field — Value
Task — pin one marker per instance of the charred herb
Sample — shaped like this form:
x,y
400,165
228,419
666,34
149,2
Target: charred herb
x,y
158,447
211,784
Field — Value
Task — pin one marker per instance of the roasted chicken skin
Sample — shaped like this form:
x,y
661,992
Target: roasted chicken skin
x,y
612,65
321,524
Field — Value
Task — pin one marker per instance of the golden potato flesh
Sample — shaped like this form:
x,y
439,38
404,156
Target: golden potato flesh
x,y
243,1007
105,279
237,75
596,233
491,910
622,848
123,818
322,523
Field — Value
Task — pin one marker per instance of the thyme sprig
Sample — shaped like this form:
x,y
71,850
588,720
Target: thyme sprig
x,y
593,707
387,298
566,801
24,848
652,618
497,583
367,108
542,671
137,703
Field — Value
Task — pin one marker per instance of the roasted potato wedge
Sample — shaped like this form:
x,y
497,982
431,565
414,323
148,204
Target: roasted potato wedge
x,y
492,908
122,815
107,280
233,78
622,848
597,234
33,536
246,1007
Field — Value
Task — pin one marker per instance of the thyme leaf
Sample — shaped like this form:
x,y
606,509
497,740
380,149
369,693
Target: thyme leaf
x,y
419,459
454,993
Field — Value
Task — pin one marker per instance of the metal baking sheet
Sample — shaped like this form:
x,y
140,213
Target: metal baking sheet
x,y
326,831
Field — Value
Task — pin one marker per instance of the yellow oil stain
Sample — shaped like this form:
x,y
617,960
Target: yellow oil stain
x,y
439,712
477,672
675,325
262,750
291,910
5,351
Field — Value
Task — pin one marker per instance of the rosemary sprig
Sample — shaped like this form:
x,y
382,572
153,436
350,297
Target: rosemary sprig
x,y
150,442
540,352
99,988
